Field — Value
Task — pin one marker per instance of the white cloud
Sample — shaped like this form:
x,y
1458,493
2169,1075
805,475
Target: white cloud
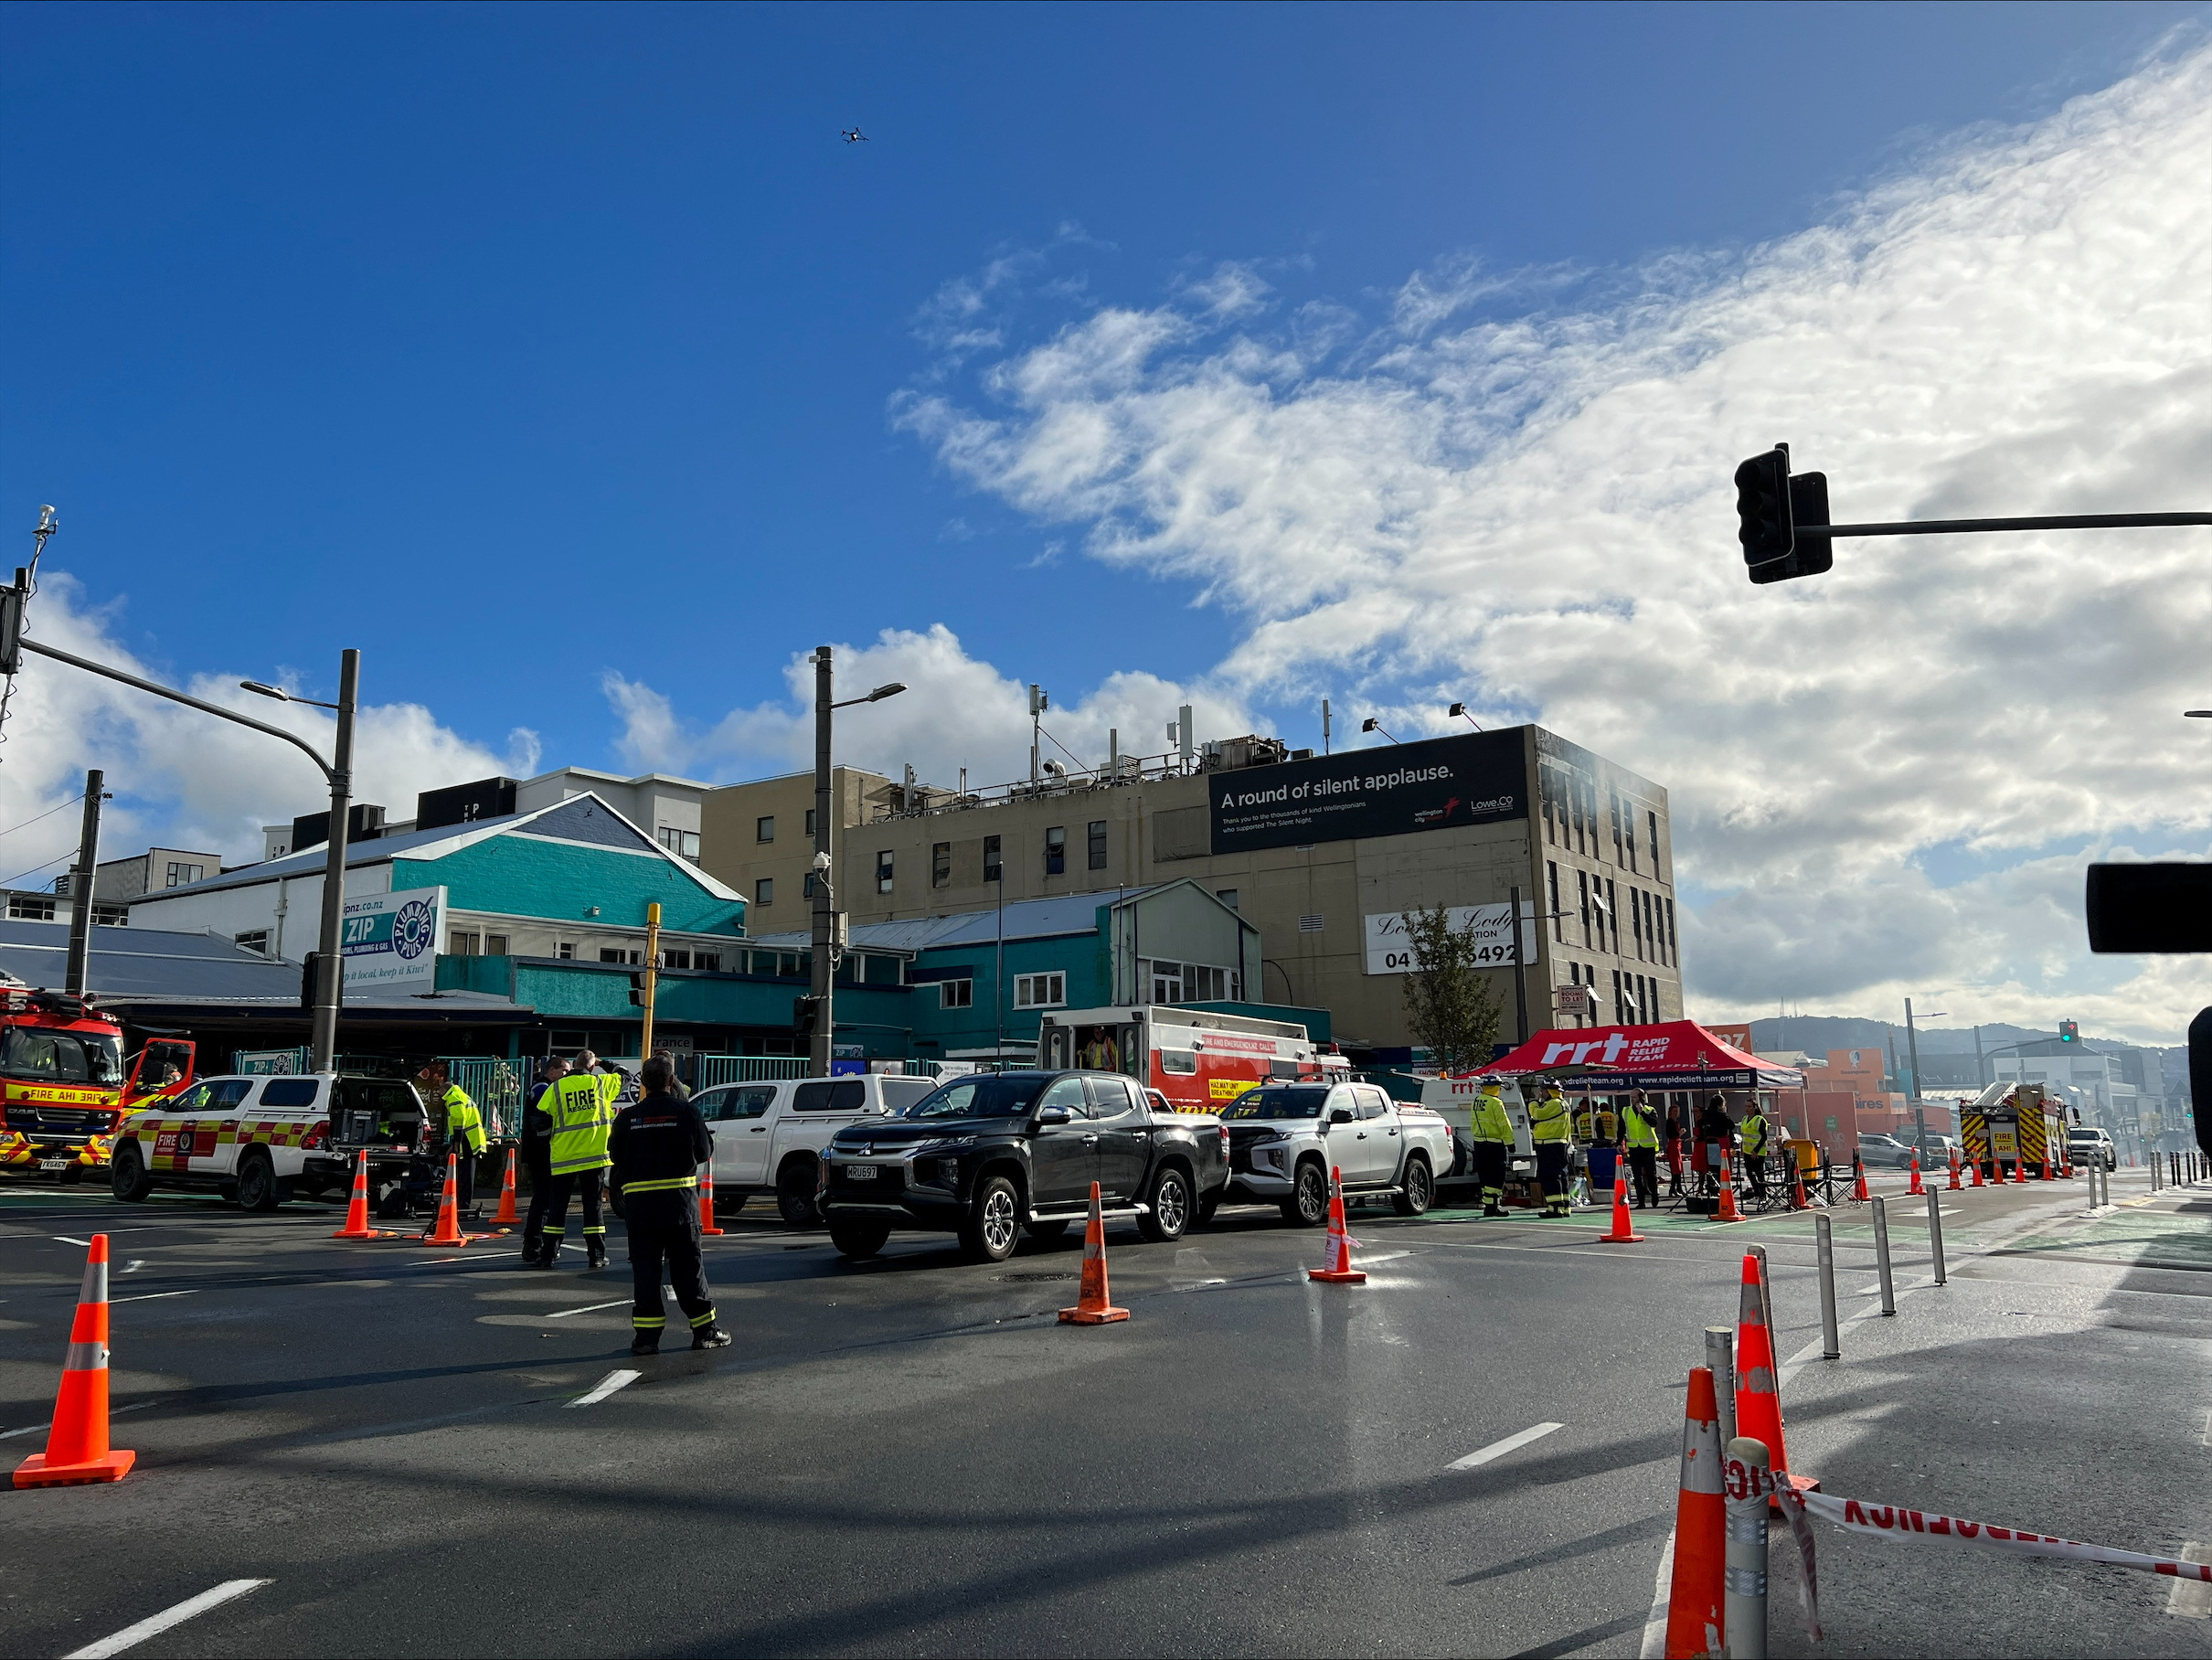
x,y
184,778
1535,512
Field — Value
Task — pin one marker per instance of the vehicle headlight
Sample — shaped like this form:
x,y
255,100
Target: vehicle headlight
x,y
956,1143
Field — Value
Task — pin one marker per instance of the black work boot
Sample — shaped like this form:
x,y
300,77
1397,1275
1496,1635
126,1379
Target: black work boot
x,y
595,1253
647,1343
711,1337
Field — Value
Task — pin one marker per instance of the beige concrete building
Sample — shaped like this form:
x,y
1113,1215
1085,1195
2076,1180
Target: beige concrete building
x,y
1323,854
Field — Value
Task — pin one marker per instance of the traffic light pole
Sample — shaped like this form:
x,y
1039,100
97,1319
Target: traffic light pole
x,y
819,1051
2063,521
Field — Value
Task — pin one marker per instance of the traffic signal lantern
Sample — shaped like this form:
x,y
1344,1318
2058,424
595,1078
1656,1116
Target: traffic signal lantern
x,y
637,991
805,1013
2069,1031
1762,507
1810,554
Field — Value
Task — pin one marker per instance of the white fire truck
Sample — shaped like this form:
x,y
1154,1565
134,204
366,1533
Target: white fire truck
x,y
1198,1059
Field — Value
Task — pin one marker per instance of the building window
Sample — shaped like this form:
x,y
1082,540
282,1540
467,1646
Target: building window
x,y
1040,991
1558,922
941,864
1055,850
956,994
764,891
565,950
883,871
810,823
806,887
1674,939
30,908
495,945
684,844
1228,896
764,829
112,916
1613,912
706,962
179,875
608,953
1651,821
1635,920
1097,843
258,940
993,871
1188,981
675,959
460,944
1582,888
1620,1001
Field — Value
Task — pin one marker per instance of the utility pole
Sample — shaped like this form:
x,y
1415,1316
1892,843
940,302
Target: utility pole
x,y
819,1048
81,886
330,966
1912,1049
652,959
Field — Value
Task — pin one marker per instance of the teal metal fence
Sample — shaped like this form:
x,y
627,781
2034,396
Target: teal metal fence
x,y
714,1069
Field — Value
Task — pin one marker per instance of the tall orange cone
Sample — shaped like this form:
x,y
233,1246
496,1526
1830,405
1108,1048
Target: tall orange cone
x,y
77,1452
706,1203
1694,1602
1978,1181
2019,1171
447,1231
2050,1164
356,1214
1727,1211
1916,1189
1093,1303
1858,1180
1955,1170
1758,1388
1624,1232
1339,1271
505,1213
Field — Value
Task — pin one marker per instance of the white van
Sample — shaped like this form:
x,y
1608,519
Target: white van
x,y
768,1137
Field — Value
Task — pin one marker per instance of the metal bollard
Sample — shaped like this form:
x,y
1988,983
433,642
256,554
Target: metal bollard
x,y
1831,1344
1935,1235
1748,1481
1881,1253
1721,1355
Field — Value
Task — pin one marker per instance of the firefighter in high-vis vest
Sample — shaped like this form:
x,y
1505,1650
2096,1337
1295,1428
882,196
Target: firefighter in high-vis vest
x,y
1548,1129
1640,1133
1753,1135
581,1106
1492,1135
461,1133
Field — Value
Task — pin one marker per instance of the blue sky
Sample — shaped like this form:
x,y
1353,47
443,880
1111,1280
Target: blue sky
x,y
565,360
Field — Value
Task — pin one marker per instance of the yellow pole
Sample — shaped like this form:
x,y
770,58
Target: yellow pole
x,y
653,957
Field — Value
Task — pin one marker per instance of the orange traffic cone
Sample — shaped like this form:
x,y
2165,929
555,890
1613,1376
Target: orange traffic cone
x,y
2050,1166
1093,1303
1916,1189
1726,1212
1694,1602
2019,1172
1757,1389
505,1213
1624,1232
1798,1200
1955,1170
1339,1271
1978,1181
447,1231
1858,1180
356,1214
77,1452
706,1203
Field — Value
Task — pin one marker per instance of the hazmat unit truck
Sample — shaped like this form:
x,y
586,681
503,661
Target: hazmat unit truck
x,y
1200,1061
64,1087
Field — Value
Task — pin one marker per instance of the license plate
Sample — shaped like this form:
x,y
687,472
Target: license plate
x,y
55,1163
862,1173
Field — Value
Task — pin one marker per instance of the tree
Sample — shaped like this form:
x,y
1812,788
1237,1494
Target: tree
x,y
1450,1007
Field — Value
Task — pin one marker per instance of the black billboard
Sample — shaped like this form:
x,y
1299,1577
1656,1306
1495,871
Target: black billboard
x,y
1392,790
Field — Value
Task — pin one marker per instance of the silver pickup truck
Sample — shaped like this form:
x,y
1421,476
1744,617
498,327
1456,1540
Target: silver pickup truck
x,y
1284,1138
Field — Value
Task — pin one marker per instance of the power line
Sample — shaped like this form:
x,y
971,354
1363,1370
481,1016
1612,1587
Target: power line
x,y
49,812
35,869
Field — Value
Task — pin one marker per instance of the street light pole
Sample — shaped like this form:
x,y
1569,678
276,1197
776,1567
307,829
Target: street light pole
x,y
74,974
819,1046
330,977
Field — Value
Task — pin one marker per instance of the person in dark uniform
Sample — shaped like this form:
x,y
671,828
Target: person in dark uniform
x,y
538,1161
1716,1134
658,1143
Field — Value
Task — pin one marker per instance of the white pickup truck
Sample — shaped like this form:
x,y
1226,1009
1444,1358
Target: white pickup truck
x,y
1283,1139
768,1137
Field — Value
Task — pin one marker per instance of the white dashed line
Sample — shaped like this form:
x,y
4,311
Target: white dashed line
x,y
130,1636
148,1296
63,1239
591,1308
1498,1449
606,1387
133,1265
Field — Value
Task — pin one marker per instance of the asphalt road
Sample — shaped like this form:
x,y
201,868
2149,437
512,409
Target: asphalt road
x,y
911,1456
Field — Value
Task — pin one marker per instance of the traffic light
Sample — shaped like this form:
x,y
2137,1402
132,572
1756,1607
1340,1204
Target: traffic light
x,y
804,1016
2069,1031
637,991
12,602
1762,507
1810,554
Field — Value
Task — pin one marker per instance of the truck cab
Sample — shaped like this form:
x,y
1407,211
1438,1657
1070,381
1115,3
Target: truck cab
x,y
65,1089
769,1136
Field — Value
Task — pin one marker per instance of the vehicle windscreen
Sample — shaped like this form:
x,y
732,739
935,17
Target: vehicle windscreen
x,y
1278,1103
991,1097
80,1058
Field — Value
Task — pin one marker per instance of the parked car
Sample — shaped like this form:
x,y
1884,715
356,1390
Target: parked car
x,y
768,1137
989,1155
1878,1152
2089,1146
1284,1138
263,1140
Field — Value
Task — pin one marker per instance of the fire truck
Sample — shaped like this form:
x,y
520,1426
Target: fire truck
x,y
64,1091
1198,1059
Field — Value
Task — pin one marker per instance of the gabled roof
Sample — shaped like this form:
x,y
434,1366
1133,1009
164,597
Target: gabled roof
x,y
1062,916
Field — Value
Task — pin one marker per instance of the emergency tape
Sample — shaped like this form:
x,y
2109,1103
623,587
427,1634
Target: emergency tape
x,y
1894,1521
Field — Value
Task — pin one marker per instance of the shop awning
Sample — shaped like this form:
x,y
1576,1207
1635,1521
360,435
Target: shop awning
x,y
1670,1055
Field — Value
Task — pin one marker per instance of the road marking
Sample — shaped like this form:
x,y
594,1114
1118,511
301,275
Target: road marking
x,y
65,1240
2191,1599
606,1387
1498,1449
35,1429
2206,1437
1663,1595
149,1295
130,1636
1382,1256
590,1309
135,1263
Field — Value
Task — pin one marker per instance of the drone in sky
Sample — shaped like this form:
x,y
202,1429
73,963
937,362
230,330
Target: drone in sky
x,y
854,135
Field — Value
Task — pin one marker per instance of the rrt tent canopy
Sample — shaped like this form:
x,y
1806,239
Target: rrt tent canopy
x,y
1671,1055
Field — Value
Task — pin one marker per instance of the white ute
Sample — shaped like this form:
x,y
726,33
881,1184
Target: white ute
x,y
1284,1138
768,1137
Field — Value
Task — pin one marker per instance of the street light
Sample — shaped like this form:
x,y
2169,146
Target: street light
x,y
1460,710
1372,725
1912,1048
820,1045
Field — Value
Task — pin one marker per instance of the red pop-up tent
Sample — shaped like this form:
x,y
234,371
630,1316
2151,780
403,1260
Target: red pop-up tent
x,y
1671,1055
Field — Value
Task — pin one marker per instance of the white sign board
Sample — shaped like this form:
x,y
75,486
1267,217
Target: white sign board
x,y
390,942
1389,951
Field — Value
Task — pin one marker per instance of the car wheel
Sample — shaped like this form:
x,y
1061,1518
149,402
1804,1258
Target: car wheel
x,y
994,1222
1418,1191
858,1237
1169,1217
127,1175
1308,1206
795,1195
257,1183
1047,1233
